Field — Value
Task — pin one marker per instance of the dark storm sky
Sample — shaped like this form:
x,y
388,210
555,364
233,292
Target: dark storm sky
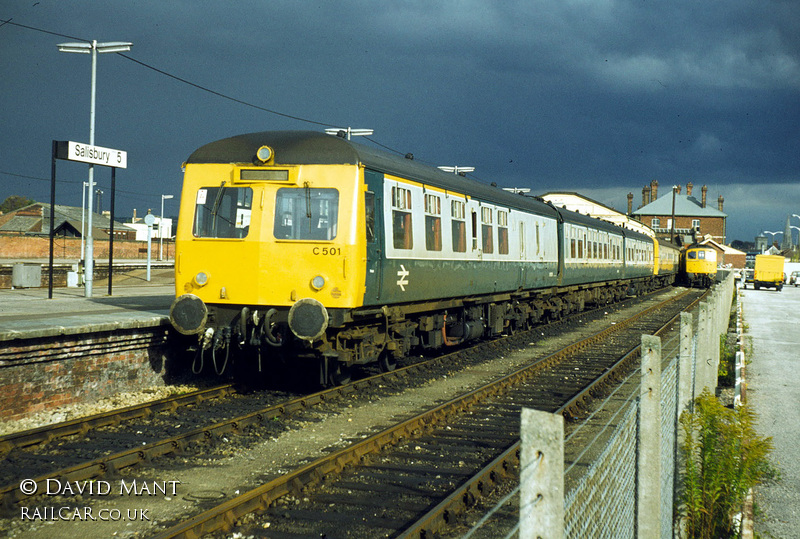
x,y
599,97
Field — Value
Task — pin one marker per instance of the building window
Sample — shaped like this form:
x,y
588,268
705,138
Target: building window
x,y
696,224
655,223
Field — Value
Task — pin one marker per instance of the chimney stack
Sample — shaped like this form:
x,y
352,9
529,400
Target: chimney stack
x,y
654,190
720,200
689,189
630,203
678,190
704,190
645,196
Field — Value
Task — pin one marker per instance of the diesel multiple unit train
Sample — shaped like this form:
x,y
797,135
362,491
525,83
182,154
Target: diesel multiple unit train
x,y
326,253
698,266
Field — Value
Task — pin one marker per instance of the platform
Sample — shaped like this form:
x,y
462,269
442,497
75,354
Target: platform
x,y
27,313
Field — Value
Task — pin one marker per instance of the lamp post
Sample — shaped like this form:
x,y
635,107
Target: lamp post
x,y
796,228
94,48
160,227
672,221
83,221
773,236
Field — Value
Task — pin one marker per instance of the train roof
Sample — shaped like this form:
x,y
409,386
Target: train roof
x,y
668,244
313,147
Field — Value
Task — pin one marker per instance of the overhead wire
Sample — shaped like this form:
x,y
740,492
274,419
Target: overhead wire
x,y
209,90
220,94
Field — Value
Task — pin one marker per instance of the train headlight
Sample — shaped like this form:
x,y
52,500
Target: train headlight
x,y
318,282
201,279
264,154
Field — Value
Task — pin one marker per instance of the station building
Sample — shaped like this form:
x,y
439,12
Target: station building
x,y
690,215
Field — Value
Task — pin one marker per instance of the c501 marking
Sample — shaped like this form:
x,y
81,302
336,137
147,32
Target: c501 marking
x,y
326,251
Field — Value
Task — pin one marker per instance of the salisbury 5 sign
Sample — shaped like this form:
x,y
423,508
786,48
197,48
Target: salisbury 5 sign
x,y
95,155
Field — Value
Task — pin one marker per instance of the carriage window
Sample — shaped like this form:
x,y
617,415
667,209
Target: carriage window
x,y
433,223
486,230
459,226
401,218
692,255
222,212
369,215
502,232
474,230
538,244
303,213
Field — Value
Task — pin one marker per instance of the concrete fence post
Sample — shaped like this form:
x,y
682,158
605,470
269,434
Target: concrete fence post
x,y
713,337
703,355
685,364
648,473
541,499
686,375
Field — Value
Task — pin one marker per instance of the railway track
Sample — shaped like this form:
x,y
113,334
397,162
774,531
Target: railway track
x,y
96,446
82,425
112,462
414,478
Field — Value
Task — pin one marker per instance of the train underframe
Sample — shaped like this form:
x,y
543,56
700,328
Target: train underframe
x,y
332,342
700,280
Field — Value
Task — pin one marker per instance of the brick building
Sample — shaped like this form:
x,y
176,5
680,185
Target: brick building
x,y
689,213
34,220
25,234
726,255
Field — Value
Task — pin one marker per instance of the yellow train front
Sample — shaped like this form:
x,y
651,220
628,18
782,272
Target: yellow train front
x,y
699,266
255,231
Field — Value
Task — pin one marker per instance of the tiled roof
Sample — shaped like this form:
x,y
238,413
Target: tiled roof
x,y
685,206
29,223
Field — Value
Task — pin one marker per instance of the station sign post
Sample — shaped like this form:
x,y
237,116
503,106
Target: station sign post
x,y
93,155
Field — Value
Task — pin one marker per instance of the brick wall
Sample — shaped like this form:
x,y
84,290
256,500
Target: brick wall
x,y
708,225
42,374
16,247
